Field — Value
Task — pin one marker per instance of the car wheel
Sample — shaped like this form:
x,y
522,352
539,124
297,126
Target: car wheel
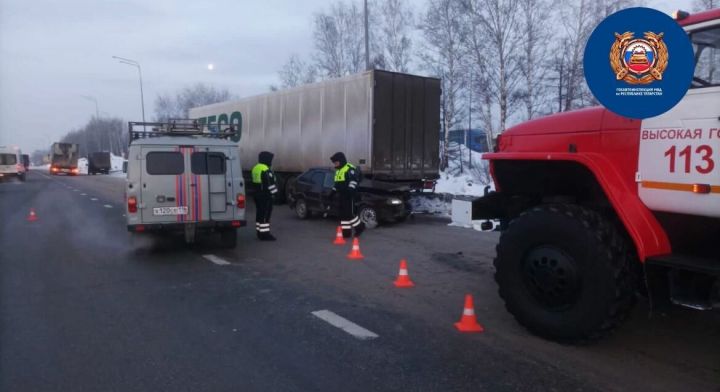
x,y
565,273
369,217
301,209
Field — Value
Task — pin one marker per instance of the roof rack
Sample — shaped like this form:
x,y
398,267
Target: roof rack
x,y
181,127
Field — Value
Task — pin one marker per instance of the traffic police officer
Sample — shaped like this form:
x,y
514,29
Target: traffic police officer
x,y
347,178
265,188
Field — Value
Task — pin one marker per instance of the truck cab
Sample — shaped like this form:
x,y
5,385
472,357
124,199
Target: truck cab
x,y
182,178
595,206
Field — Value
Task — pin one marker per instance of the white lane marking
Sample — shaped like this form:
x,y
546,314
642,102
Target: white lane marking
x,y
76,190
345,324
83,194
93,199
107,206
216,260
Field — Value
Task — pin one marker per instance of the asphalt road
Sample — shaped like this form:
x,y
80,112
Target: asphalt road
x,y
84,308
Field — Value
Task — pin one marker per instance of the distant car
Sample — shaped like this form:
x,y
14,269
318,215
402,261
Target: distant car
x,y
11,163
378,201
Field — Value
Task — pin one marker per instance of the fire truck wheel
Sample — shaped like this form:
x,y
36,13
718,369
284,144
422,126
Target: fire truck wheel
x,y
565,273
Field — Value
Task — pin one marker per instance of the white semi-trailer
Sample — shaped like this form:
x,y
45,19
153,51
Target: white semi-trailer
x,y
387,123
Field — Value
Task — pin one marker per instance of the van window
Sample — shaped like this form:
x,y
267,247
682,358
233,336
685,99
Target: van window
x,y
8,159
207,163
165,163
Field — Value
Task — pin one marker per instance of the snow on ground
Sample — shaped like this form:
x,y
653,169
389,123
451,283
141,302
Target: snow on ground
x,y
459,179
116,163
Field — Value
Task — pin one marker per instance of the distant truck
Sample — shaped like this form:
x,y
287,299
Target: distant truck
x,y
99,162
387,123
64,158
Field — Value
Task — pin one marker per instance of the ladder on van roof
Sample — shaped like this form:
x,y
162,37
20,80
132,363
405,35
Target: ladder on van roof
x,y
180,127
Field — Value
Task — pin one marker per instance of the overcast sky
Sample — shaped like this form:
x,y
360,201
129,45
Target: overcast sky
x,y
52,53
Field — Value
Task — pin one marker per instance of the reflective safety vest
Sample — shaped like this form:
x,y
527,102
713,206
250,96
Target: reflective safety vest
x,y
257,172
340,174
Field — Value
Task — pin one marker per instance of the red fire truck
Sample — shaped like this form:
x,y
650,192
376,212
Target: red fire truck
x,y
596,207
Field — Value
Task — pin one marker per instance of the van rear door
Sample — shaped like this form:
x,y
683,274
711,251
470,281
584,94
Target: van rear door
x,y
212,174
164,186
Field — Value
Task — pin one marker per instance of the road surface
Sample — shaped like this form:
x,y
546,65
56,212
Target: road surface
x,y
84,308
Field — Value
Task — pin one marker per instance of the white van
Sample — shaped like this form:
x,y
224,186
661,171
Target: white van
x,y
183,178
11,164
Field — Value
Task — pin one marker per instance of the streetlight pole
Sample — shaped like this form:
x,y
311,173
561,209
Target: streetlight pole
x,y
134,63
367,39
91,98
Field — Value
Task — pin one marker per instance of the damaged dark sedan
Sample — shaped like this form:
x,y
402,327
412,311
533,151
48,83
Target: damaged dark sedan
x,y
378,202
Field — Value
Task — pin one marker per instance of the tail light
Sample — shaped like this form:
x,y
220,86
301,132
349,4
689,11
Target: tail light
x,y
19,167
240,200
428,184
54,169
132,204
76,170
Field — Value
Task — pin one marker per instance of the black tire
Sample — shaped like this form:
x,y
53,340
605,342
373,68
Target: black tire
x,y
565,273
301,209
369,216
22,177
228,238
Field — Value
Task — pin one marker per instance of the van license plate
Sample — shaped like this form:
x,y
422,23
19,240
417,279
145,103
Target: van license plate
x,y
170,211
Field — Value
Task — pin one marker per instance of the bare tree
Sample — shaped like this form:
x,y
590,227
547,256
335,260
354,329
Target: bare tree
x,y
493,43
297,72
442,56
578,18
534,55
99,134
702,5
396,19
167,107
339,40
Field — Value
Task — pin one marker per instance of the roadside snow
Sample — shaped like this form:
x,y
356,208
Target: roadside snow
x,y
459,179
116,163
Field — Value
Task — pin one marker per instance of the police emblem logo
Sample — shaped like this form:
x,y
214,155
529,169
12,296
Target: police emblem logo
x,y
638,60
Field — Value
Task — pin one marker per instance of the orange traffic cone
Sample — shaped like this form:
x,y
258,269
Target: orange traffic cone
x,y
355,252
339,240
403,279
32,217
468,322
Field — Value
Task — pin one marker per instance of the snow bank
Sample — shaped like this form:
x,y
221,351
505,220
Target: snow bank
x,y
116,163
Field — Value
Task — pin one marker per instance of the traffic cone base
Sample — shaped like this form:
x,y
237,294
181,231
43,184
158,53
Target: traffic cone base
x,y
339,240
32,217
403,279
355,252
468,322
